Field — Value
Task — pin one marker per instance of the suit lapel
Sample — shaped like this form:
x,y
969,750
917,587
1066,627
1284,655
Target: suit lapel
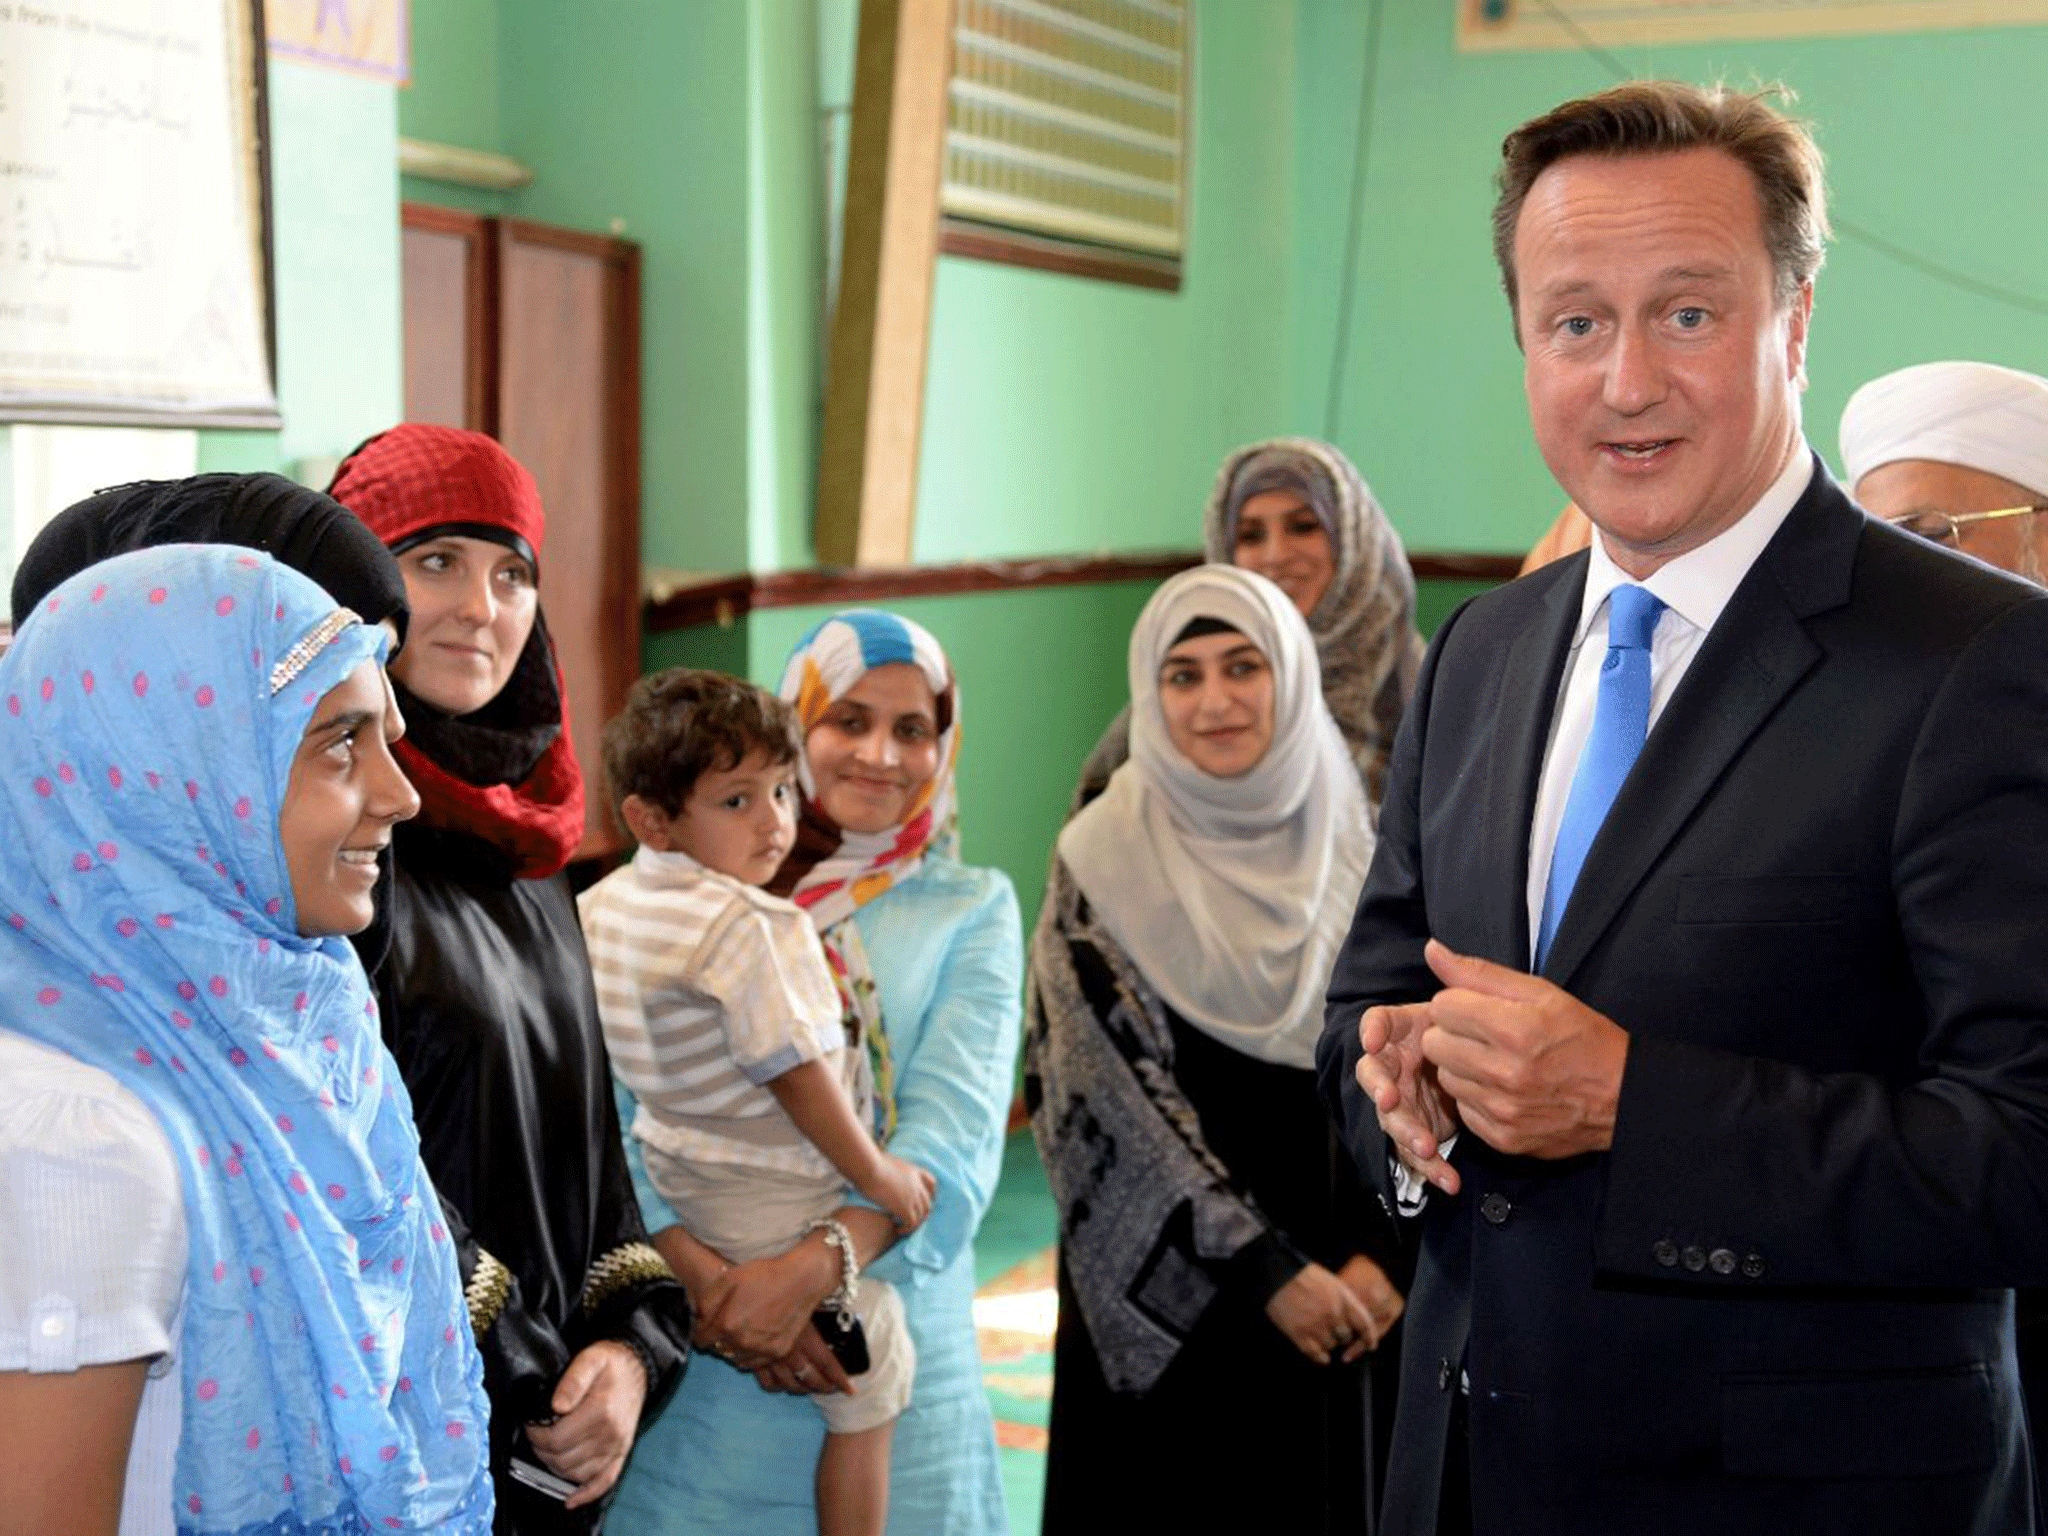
x,y
1528,696
1755,655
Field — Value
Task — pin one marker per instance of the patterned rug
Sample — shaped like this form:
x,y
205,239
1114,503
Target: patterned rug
x,y
1014,1312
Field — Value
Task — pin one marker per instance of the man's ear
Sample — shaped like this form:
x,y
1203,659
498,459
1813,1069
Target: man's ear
x,y
648,823
1799,317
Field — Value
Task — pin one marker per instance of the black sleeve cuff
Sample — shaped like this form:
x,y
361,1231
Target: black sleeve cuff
x,y
1262,1266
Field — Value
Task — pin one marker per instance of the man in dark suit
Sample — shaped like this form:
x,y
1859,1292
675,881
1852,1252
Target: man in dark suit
x,y
1695,1013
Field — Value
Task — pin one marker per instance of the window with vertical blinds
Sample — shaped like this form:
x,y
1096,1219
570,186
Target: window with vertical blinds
x,y
1066,130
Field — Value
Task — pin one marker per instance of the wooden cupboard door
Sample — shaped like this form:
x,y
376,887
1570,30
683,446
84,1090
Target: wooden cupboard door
x,y
446,261
569,410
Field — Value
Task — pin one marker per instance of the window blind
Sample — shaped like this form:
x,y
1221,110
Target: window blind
x,y
1068,119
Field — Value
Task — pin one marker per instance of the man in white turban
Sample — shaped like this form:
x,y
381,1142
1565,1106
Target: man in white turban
x,y
1947,450
1958,452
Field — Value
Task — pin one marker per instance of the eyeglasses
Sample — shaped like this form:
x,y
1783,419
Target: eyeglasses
x,y
1947,527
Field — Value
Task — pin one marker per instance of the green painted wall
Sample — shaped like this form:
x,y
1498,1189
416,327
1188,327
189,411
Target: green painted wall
x,y
334,188
453,97
720,647
1434,600
1067,414
785,280
452,94
633,116
1926,137
687,128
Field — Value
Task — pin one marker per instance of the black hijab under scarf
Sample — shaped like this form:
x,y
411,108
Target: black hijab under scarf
x,y
303,528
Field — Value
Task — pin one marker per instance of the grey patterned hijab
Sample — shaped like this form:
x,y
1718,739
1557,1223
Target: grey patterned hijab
x,y
1364,624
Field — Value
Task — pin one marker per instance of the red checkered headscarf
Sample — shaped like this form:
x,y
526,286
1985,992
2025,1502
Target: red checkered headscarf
x,y
417,482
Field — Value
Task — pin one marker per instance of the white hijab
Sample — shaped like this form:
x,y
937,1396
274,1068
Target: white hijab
x,y
1230,895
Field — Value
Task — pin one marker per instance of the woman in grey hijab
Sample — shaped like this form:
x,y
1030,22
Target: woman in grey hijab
x,y
1297,511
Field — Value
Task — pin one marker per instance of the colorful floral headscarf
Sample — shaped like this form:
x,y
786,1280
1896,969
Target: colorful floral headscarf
x,y
828,661
148,722
836,871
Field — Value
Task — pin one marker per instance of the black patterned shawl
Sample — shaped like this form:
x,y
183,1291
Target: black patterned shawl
x,y
1122,1146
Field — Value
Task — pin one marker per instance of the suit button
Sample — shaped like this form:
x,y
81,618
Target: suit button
x,y
1444,1373
1721,1261
1664,1251
1694,1258
1496,1208
1753,1265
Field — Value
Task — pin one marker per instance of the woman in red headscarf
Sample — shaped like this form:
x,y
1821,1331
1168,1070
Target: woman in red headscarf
x,y
486,997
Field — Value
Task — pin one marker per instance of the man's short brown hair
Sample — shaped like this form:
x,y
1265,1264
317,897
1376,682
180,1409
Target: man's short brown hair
x,y
681,724
1656,117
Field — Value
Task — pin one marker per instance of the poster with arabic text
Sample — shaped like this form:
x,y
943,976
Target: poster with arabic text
x,y
134,238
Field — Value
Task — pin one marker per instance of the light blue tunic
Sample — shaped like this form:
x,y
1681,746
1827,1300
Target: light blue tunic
x,y
725,1456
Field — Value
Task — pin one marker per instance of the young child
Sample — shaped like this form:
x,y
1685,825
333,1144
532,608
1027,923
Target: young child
x,y
722,1018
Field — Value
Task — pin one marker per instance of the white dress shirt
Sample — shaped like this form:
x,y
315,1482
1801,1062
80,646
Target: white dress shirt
x,y
1694,588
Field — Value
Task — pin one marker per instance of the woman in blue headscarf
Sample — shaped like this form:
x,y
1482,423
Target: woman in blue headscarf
x,y
236,1310
928,954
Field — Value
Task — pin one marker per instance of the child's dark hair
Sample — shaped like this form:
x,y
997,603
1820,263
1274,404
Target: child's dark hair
x,y
681,724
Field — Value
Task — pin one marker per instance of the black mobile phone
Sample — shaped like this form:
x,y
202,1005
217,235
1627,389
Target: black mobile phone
x,y
845,1337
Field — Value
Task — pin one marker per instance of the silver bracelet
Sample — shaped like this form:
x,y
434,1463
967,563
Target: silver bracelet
x,y
837,1236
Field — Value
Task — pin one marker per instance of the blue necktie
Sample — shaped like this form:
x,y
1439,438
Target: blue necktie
x,y
1621,719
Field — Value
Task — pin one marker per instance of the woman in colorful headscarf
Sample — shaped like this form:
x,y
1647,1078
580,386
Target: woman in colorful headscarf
x,y
230,1304
927,952
486,996
1296,511
1219,1287
302,528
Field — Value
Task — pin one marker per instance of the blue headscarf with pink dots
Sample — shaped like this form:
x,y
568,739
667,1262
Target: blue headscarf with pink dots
x,y
148,722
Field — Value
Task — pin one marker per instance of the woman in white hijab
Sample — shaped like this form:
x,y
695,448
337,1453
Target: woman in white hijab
x,y
1214,1307
1297,511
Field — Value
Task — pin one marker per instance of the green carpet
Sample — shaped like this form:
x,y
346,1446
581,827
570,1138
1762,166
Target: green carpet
x,y
1013,1314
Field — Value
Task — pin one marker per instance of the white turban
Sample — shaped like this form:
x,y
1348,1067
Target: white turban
x,y
1978,415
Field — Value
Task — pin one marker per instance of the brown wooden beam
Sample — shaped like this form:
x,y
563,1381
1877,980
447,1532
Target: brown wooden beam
x,y
881,323
726,599
960,237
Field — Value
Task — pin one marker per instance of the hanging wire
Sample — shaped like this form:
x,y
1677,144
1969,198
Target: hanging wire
x,y
1347,289
1587,46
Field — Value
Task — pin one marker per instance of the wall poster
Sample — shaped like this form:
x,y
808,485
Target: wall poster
x,y
135,283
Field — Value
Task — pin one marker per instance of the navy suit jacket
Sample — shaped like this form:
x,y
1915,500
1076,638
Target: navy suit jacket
x,y
1819,907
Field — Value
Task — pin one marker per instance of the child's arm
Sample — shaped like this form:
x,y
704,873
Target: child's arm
x,y
812,1096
